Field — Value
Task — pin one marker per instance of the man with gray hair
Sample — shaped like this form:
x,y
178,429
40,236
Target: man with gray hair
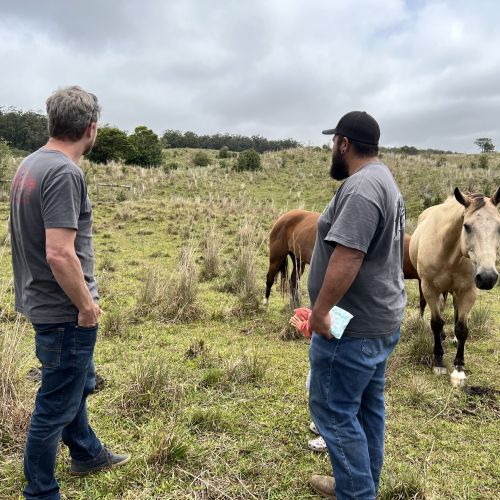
x,y
55,288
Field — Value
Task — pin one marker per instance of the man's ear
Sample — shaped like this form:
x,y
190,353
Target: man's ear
x,y
92,129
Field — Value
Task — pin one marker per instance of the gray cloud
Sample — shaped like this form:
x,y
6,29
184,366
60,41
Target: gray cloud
x,y
428,71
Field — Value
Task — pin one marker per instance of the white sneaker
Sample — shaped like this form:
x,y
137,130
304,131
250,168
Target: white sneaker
x,y
312,428
317,444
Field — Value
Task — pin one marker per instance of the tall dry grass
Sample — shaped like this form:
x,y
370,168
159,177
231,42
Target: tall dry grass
x,y
15,407
173,298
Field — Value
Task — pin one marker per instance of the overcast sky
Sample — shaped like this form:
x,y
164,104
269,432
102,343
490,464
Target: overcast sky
x,y
428,71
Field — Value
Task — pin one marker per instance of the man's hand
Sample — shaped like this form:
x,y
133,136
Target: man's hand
x,y
321,324
90,318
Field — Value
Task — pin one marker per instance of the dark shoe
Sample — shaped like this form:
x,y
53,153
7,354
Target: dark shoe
x,y
104,461
324,485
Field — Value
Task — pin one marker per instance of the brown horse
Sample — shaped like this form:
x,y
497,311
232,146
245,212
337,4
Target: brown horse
x,y
294,234
454,249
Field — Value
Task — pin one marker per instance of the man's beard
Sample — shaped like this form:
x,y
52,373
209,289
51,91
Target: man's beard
x,y
338,168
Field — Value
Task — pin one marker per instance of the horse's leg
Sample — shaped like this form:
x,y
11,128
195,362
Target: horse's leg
x,y
423,302
276,260
433,297
464,300
294,281
298,271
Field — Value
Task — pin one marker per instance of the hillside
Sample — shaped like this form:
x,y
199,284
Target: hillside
x,y
203,385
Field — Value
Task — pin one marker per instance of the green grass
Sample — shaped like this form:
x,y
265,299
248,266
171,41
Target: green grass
x,y
213,405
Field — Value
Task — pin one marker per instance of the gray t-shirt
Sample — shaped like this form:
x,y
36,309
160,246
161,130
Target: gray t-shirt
x,y
48,191
367,214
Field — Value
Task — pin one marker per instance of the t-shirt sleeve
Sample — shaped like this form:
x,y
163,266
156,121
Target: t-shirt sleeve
x,y
61,201
356,221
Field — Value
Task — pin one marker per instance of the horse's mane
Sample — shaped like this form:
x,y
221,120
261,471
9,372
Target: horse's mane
x,y
477,201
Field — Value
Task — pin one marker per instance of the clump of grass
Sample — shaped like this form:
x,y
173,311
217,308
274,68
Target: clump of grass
x,y
249,368
197,348
407,485
480,321
214,377
211,255
152,292
103,283
244,274
420,393
14,413
208,420
170,448
106,264
421,341
113,322
150,386
181,302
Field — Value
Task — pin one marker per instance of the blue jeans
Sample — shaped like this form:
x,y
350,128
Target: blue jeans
x,y
65,351
346,399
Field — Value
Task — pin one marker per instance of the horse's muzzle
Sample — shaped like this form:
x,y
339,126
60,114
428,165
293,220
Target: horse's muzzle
x,y
486,280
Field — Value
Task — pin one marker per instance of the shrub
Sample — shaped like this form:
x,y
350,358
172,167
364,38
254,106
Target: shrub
x,y
248,160
483,161
201,159
224,152
173,165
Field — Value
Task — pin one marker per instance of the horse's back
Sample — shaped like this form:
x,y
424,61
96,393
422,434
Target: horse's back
x,y
296,232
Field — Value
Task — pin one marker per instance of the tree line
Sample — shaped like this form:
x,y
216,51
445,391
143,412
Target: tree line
x,y
234,142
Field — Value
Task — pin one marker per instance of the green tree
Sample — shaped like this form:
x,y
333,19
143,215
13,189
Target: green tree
x,y
23,130
485,144
144,148
111,144
248,160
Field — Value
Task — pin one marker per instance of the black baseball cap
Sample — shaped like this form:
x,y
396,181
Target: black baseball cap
x,y
358,126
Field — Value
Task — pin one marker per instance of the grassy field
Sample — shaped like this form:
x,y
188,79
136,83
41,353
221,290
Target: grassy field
x,y
203,385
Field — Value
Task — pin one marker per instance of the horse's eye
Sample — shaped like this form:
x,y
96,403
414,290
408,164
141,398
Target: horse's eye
x,y
467,228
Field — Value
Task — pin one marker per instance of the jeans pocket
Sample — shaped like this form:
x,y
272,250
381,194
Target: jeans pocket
x,y
48,345
85,340
371,347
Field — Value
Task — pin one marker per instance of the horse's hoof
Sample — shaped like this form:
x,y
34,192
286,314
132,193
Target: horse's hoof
x,y
265,302
439,370
457,378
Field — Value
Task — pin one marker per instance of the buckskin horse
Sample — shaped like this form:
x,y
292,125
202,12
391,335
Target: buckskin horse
x,y
294,234
454,249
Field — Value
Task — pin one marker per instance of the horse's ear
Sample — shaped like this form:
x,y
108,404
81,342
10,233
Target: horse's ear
x,y
463,199
495,199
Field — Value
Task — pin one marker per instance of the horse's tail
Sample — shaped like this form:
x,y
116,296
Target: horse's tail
x,y
283,270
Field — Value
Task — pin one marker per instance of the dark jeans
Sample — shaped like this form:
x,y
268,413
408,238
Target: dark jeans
x,y
68,377
346,399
